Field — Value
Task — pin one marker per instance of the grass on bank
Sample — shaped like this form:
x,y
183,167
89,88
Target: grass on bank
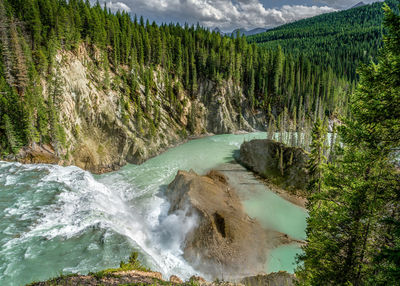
x,y
132,264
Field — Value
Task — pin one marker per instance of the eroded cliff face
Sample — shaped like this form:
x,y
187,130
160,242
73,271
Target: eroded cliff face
x,y
105,128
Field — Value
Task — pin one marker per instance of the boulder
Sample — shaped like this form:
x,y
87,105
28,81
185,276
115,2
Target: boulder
x,y
281,278
282,165
175,279
36,154
197,280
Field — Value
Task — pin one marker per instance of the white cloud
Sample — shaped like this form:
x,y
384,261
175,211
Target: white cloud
x,y
115,6
225,14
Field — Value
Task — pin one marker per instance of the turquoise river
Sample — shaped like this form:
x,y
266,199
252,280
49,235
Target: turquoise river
x,y
57,220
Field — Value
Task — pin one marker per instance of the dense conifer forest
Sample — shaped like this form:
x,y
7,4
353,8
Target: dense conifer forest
x,y
32,32
354,225
341,40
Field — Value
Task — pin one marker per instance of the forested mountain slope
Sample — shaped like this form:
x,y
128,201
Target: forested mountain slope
x,y
81,85
341,40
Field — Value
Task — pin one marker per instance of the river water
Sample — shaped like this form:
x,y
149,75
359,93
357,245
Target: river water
x,y
57,220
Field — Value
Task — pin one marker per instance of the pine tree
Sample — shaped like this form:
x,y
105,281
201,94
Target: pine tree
x,y
10,134
317,159
278,68
148,84
193,72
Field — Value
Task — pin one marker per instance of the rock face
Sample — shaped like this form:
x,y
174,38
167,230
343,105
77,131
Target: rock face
x,y
282,165
274,279
175,279
35,154
105,128
226,243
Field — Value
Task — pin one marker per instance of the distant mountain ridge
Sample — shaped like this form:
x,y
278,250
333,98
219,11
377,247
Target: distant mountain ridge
x,y
259,30
245,32
359,4
242,31
218,30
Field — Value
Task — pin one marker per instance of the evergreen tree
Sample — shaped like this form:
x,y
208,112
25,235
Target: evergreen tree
x,y
317,159
10,134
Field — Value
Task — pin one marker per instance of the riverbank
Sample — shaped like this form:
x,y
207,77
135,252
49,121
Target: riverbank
x,y
46,154
134,273
295,199
134,277
236,173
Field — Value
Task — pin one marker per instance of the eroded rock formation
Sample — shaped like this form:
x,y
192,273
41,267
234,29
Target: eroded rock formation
x,y
226,242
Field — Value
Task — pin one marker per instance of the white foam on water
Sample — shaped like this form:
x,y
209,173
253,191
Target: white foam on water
x,y
83,202
10,180
93,246
43,208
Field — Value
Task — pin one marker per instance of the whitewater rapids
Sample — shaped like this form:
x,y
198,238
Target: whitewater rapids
x,y
57,219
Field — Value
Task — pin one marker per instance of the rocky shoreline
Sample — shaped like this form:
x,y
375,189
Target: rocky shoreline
x,y
46,154
135,277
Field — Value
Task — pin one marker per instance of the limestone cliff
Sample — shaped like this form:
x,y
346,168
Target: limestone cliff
x,y
105,128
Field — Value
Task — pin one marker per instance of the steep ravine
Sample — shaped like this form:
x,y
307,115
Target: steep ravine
x,y
105,129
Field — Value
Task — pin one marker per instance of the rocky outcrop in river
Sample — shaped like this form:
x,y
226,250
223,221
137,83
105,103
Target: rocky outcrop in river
x,y
226,242
282,165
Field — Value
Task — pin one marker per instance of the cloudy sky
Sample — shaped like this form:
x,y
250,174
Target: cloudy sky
x,y
230,14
